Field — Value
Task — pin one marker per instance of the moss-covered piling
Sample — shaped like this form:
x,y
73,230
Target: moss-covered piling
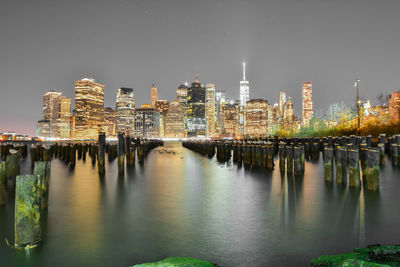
x,y
27,210
42,169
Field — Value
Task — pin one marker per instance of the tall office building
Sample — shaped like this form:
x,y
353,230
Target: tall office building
x,y
89,108
162,106
220,100
125,111
288,117
154,94
109,125
256,118
244,88
181,93
50,110
147,122
282,102
64,118
196,112
57,111
230,117
210,109
174,124
307,110
43,129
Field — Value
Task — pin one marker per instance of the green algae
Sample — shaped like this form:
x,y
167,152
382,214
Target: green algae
x,y
27,210
367,257
177,262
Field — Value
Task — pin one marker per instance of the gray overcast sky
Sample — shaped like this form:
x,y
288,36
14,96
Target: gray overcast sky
x,y
49,44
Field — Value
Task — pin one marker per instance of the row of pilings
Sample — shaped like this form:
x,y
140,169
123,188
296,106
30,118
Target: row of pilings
x,y
351,160
31,191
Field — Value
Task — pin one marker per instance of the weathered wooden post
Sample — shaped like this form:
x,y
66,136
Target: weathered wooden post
x,y
381,148
282,157
270,156
102,154
84,152
42,169
72,156
372,170
395,154
121,153
3,183
27,210
289,159
298,164
12,166
47,154
328,164
340,154
354,167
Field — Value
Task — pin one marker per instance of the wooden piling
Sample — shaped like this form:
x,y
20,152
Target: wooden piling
x,y
102,154
328,164
372,170
3,183
354,167
27,210
121,153
42,169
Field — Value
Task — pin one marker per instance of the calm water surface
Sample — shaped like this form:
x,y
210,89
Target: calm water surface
x,y
184,204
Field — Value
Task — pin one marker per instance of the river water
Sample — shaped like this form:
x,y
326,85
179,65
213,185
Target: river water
x,y
179,203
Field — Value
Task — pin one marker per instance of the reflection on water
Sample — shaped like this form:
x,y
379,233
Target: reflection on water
x,y
178,203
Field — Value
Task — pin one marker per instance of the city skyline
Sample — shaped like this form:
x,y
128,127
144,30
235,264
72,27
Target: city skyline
x,y
133,57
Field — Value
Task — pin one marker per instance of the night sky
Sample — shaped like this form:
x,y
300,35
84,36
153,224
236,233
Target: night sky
x,y
48,45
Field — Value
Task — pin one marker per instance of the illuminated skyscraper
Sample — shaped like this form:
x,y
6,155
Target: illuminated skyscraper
x,y
307,111
57,110
154,94
181,93
89,108
394,105
210,109
256,118
125,111
230,117
282,102
174,125
147,122
220,99
288,117
43,129
64,118
196,113
244,88
109,125
50,110
162,106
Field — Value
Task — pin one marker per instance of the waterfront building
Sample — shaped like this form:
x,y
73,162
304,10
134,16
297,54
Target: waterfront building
x,y
63,120
43,129
174,124
147,122
288,117
282,102
394,105
244,89
162,106
181,93
196,112
230,117
154,94
125,111
307,109
256,118
220,99
57,110
109,126
210,110
89,108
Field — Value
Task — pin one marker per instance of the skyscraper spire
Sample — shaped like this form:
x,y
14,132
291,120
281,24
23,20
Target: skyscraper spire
x,y
244,71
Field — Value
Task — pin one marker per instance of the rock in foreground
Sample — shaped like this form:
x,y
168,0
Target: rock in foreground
x,y
373,256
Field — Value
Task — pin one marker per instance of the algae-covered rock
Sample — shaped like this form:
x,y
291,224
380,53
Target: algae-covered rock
x,y
368,257
177,262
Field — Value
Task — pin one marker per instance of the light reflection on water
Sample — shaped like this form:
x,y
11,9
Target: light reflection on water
x,y
179,203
